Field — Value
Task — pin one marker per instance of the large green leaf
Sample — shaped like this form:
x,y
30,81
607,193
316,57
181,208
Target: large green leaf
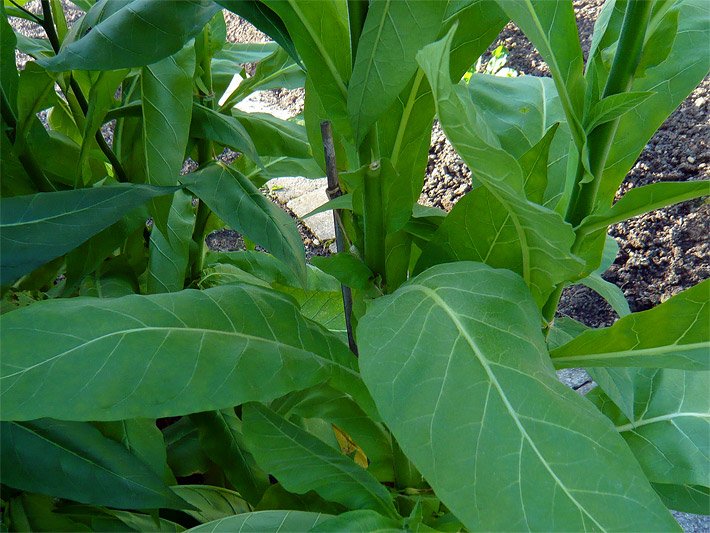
x,y
552,28
260,521
537,241
302,462
669,429
385,62
208,124
242,206
169,252
458,368
166,88
675,334
163,355
222,441
361,522
35,512
141,32
686,498
671,81
74,460
321,33
273,136
38,228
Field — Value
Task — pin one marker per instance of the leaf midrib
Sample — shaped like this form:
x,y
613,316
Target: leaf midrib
x,y
501,393
661,418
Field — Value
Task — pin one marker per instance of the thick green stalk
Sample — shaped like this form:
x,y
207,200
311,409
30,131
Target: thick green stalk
x,y
621,76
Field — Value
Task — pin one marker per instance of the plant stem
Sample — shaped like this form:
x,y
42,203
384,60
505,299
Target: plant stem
x,y
621,76
373,222
48,25
333,192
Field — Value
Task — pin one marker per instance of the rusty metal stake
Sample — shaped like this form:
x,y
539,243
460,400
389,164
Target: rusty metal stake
x,y
333,191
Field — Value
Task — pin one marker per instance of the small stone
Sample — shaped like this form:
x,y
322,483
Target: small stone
x,y
691,159
700,102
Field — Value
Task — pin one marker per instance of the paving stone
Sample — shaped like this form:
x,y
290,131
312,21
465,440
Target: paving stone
x,y
301,196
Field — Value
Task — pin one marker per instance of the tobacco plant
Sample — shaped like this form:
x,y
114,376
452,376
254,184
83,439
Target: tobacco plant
x,y
406,382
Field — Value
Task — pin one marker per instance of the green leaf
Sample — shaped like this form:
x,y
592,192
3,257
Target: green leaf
x,y
40,227
613,107
610,292
182,445
240,204
212,503
142,439
9,79
164,355
640,200
302,462
361,522
35,512
321,34
452,359
274,137
495,223
344,201
346,268
208,124
260,521
685,68
686,498
169,252
552,28
74,460
385,62
276,497
140,33
166,89
669,427
264,19
674,334
222,441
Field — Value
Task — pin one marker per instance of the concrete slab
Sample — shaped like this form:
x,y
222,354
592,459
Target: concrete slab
x,y
303,195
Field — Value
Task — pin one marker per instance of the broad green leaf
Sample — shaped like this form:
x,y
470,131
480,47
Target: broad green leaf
x,y
212,503
302,462
243,53
278,167
140,33
164,355
563,330
385,62
552,28
222,441
346,268
208,124
274,137
9,79
671,81
321,34
169,252
668,432
166,89
640,200
40,227
260,521
142,439
453,359
686,498
242,206
264,19
74,460
102,519
276,497
35,92
35,512
675,334
515,233
613,107
361,522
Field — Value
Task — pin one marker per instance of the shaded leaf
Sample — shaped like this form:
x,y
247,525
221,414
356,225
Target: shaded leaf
x,y
74,460
260,521
38,228
212,503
